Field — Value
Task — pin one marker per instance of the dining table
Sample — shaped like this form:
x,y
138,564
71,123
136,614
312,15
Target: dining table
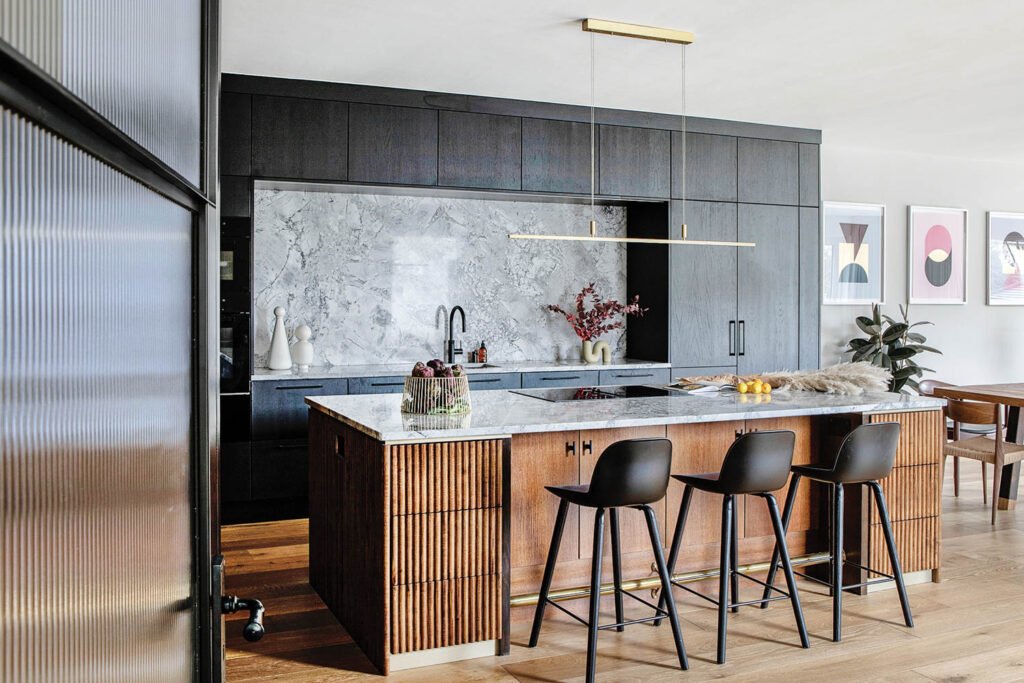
x,y
1010,395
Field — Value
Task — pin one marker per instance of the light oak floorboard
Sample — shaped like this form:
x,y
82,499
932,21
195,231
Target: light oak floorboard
x,y
967,627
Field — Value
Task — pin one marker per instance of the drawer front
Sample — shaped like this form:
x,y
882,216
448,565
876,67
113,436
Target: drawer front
x,y
376,385
280,469
574,378
649,376
279,409
478,381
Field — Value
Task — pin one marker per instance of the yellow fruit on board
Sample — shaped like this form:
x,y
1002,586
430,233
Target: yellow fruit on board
x,y
767,388
758,382
742,387
758,388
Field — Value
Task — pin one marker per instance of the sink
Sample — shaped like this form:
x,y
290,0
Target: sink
x,y
478,366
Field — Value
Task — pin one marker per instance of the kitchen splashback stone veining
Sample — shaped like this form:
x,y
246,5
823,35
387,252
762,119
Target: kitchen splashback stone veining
x,y
367,273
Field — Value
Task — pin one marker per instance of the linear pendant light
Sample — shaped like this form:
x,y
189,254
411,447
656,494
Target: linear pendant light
x,y
681,38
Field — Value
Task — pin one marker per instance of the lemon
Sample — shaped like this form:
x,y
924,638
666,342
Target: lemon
x,y
758,388
767,388
742,387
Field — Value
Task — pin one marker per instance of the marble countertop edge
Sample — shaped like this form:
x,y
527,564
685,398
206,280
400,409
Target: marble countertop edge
x,y
393,369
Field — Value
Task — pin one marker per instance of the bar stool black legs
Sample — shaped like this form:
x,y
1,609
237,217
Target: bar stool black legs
x,y
866,455
628,474
757,463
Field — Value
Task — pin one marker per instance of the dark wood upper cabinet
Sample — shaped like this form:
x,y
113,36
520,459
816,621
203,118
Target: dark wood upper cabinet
x,y
394,145
702,286
769,288
480,150
809,178
810,287
300,138
556,156
768,172
235,196
710,167
635,162
235,134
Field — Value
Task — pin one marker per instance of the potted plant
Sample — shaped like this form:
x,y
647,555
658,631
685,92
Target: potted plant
x,y
891,344
601,317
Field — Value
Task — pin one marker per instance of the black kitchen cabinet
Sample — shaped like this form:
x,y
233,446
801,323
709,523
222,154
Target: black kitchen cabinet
x,y
556,156
480,150
235,473
768,171
768,293
635,162
236,134
279,409
809,175
235,196
280,469
394,145
300,138
710,167
703,287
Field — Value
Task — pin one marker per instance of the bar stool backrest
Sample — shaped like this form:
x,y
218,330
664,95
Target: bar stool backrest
x,y
631,472
867,453
758,462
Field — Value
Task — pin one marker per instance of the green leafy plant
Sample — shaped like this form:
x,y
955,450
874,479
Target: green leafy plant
x,y
891,344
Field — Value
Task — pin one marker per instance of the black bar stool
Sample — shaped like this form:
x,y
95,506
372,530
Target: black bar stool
x,y
866,455
756,464
632,473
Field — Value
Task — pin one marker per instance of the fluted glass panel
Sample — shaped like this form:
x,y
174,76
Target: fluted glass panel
x,y
95,542
136,62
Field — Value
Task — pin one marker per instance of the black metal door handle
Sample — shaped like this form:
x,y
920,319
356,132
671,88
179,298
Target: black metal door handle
x,y
732,337
253,631
301,386
559,378
588,447
743,337
570,448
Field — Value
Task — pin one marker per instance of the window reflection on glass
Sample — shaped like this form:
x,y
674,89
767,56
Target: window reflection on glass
x,y
227,265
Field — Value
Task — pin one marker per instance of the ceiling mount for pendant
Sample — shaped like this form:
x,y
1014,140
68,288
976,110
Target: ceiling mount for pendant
x,y
664,35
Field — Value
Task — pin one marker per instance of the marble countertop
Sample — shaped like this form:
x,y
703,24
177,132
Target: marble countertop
x,y
383,370
505,412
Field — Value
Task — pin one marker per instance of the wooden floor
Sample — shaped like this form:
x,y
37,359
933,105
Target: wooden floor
x,y
968,628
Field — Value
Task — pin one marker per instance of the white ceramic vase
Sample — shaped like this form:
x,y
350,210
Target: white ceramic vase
x,y
302,349
280,357
592,352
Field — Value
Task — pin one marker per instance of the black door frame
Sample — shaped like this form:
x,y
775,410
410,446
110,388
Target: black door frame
x,y
41,99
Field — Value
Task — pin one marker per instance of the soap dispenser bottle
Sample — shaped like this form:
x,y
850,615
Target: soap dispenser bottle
x,y
481,355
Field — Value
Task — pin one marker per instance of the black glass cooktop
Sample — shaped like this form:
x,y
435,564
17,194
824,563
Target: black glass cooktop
x,y
597,393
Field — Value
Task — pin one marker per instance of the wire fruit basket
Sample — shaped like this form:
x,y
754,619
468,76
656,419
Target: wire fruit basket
x,y
436,395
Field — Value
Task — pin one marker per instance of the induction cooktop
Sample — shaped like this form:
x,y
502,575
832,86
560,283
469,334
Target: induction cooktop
x,y
598,393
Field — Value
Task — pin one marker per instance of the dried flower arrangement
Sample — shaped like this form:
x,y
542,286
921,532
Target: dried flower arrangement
x,y
589,324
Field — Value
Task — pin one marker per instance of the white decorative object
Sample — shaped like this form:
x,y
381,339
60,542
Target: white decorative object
x,y
302,350
280,357
594,352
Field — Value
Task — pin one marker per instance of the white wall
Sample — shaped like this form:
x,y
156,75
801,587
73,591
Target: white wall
x,y
979,343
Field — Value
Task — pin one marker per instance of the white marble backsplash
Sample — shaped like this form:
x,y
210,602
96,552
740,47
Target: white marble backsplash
x,y
368,272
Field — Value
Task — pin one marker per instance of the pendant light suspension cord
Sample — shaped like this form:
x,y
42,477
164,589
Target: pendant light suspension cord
x,y
593,142
682,50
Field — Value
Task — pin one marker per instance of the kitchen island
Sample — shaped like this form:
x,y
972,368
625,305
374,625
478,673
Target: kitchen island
x,y
428,534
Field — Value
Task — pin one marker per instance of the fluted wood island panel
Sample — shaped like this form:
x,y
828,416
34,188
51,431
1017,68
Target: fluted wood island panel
x,y
426,545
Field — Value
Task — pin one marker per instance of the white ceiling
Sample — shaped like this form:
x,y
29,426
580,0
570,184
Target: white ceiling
x,y
942,77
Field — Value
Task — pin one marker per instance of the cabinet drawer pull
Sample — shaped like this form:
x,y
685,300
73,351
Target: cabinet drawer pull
x,y
558,379
588,447
570,448
486,379
387,384
300,387
635,374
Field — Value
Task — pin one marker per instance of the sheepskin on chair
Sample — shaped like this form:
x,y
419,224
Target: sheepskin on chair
x,y
850,379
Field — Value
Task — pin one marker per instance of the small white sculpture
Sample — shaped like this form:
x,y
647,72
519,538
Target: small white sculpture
x,y
280,356
302,350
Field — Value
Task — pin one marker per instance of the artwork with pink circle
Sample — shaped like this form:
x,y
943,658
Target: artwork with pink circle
x,y
937,255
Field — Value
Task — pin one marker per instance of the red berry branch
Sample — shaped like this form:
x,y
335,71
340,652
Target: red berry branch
x,y
591,324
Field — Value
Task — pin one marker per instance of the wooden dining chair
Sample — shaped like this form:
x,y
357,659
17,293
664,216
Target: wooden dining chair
x,y
994,450
927,388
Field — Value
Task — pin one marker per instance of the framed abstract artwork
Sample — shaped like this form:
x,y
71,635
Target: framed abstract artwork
x,y
1005,259
853,253
937,255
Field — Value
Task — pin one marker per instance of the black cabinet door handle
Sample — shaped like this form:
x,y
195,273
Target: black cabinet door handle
x,y
743,337
732,337
484,379
300,387
635,374
387,384
556,379
570,448
588,447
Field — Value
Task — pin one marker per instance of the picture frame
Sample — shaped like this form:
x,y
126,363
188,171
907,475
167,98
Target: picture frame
x,y
936,255
1004,240
852,253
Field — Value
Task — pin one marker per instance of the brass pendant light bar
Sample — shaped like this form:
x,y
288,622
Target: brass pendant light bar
x,y
617,28
628,240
